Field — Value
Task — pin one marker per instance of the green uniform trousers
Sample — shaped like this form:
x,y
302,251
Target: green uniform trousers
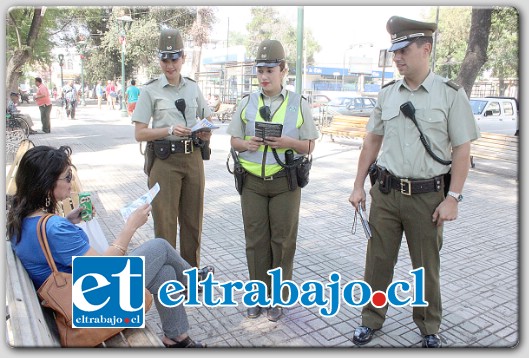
x,y
390,216
271,216
179,202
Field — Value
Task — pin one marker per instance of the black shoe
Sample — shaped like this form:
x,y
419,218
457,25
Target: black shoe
x,y
186,343
31,131
203,272
274,313
431,341
363,335
254,312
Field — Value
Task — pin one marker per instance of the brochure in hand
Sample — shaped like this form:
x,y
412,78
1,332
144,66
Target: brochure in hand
x,y
203,125
144,199
268,129
364,221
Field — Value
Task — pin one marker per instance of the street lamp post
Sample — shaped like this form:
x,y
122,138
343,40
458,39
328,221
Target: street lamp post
x,y
125,22
82,47
61,63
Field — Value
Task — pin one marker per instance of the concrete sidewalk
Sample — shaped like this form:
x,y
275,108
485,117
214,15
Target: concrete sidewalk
x,y
480,257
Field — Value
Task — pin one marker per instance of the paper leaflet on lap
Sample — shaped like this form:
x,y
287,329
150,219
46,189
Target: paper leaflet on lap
x,y
144,199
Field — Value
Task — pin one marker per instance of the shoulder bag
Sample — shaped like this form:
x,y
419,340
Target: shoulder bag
x,y
56,293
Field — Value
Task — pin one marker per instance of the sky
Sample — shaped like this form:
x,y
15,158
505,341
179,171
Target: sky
x,y
336,28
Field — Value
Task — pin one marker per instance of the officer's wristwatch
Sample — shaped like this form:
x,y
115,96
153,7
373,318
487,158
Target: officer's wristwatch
x,y
456,196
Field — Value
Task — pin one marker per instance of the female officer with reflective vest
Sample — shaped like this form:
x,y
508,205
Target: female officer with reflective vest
x,y
270,208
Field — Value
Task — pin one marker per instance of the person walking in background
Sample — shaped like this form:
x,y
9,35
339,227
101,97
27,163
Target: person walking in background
x,y
408,195
174,102
270,204
131,96
111,95
70,99
99,94
42,97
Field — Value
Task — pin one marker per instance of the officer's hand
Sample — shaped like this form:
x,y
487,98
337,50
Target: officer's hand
x,y
279,142
446,211
358,196
181,131
254,143
204,135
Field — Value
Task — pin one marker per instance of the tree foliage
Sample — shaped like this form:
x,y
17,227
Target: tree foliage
x,y
266,23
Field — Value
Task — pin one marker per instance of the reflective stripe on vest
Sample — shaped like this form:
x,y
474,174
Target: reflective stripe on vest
x,y
262,162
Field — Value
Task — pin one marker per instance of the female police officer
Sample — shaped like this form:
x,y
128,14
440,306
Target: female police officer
x,y
174,102
270,209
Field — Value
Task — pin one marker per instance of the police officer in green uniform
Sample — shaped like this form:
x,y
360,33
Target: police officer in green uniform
x,y
180,173
408,196
270,209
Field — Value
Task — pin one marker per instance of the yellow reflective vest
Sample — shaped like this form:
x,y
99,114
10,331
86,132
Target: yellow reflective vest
x,y
262,162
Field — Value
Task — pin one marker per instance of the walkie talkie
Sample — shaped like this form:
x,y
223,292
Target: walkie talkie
x,y
181,106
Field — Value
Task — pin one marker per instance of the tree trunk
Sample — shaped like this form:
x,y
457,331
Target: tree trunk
x,y
476,54
197,51
24,51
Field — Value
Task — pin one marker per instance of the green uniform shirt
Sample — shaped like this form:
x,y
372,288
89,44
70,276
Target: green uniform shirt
x,y
307,130
444,115
157,101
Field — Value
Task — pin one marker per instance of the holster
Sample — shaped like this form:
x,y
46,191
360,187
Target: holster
x,y
292,178
303,166
383,178
373,173
446,179
205,150
239,174
149,158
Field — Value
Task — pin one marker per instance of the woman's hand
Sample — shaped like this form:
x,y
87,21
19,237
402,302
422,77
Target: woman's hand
x,y
139,217
74,216
253,143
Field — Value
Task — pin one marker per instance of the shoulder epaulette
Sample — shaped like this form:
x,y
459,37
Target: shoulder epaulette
x,y
187,78
453,85
150,81
389,83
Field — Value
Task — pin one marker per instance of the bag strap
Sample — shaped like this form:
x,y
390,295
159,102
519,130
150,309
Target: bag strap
x,y
43,241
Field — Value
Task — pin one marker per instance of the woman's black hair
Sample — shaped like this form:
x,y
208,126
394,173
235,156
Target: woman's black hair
x,y
36,178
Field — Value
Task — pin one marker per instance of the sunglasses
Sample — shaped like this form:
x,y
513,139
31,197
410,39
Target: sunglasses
x,y
68,177
168,57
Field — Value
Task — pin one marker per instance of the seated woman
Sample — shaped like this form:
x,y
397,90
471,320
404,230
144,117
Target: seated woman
x,y
44,179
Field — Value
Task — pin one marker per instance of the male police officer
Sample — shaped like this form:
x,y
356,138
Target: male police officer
x,y
408,195
174,102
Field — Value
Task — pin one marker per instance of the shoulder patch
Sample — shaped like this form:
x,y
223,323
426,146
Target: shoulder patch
x,y
188,78
150,81
389,83
454,85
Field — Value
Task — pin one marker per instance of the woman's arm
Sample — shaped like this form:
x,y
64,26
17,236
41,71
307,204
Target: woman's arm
x,y
119,247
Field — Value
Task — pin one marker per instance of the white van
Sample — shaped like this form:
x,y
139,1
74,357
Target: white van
x,y
496,114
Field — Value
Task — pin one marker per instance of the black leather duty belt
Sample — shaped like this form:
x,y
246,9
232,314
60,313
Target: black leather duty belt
x,y
280,174
416,186
181,146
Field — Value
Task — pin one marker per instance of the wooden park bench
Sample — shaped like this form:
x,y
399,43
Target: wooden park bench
x,y
346,127
224,112
28,324
494,146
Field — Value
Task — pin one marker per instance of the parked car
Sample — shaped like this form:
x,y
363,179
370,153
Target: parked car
x,y
318,100
496,114
351,106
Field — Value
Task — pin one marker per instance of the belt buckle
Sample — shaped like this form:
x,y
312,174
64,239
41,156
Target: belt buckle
x,y
269,178
403,183
188,146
